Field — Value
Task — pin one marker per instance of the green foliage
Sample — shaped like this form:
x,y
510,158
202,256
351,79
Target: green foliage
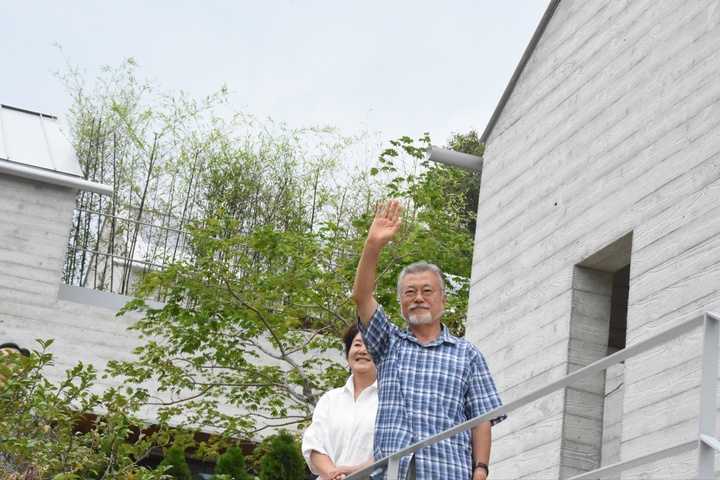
x,y
435,221
283,461
467,182
265,275
263,227
173,160
175,463
268,293
50,430
469,143
256,300
231,464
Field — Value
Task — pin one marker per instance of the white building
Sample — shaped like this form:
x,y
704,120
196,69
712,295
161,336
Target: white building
x,y
598,227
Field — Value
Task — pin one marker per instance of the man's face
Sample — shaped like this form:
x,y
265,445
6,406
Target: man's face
x,y
421,299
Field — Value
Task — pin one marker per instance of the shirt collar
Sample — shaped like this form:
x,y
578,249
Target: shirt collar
x,y
350,386
445,336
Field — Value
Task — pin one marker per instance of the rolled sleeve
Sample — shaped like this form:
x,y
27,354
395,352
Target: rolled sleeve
x,y
316,436
482,395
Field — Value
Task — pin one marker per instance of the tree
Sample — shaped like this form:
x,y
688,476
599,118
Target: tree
x,y
243,324
231,464
249,313
264,277
173,160
467,182
251,234
175,463
283,461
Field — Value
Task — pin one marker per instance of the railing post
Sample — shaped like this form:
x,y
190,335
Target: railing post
x,y
708,396
393,468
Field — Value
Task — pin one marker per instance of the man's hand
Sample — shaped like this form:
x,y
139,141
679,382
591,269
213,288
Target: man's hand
x,y
386,223
384,227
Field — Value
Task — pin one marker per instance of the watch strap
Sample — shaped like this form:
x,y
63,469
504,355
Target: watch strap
x,y
481,465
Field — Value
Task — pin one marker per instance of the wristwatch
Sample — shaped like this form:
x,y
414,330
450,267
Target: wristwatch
x,y
481,465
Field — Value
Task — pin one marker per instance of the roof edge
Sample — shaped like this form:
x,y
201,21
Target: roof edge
x,y
25,110
519,69
54,178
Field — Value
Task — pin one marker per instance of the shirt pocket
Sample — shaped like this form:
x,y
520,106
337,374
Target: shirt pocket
x,y
363,444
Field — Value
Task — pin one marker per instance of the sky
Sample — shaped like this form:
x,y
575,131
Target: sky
x,y
395,67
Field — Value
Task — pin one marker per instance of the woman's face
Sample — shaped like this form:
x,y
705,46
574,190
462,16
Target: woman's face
x,y
359,358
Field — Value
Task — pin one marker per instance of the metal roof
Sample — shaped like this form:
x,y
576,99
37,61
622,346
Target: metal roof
x,y
35,139
32,145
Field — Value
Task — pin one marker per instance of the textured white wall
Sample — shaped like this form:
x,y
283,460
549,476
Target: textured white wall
x,y
35,222
613,128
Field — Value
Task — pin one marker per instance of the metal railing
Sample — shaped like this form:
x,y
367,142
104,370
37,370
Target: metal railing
x,y
111,252
706,441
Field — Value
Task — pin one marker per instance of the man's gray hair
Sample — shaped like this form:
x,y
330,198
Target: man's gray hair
x,y
420,267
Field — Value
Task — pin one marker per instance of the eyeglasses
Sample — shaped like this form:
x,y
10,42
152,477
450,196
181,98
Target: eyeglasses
x,y
410,293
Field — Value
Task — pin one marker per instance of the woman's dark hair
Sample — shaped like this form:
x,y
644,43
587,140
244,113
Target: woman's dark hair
x,y
350,333
23,351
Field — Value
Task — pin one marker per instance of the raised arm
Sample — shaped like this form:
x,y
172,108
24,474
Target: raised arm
x,y
384,227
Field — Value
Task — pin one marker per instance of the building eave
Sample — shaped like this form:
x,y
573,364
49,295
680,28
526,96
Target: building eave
x,y
519,69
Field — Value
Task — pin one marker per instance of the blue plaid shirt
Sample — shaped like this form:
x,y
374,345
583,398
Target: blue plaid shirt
x,y
424,390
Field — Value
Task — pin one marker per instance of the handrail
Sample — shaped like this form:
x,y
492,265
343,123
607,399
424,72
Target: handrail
x,y
681,447
706,438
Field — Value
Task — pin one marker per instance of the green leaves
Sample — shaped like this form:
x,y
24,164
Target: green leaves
x,y
250,232
250,314
438,220
54,430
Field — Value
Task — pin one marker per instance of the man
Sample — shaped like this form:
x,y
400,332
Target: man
x,y
428,380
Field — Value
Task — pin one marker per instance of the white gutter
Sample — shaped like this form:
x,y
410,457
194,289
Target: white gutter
x,y
454,159
54,178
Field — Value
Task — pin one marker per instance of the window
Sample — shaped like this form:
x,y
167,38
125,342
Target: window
x,y
598,325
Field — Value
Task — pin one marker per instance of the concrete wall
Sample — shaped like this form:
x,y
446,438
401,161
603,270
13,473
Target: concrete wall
x,y
35,222
607,152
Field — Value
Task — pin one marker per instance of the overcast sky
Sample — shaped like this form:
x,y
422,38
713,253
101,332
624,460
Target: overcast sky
x,y
398,67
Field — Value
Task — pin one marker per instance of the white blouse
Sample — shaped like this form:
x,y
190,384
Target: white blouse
x,y
342,428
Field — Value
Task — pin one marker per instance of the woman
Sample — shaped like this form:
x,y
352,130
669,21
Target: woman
x,y
339,440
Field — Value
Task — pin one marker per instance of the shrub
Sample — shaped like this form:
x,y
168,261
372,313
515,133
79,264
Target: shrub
x,y
175,459
48,429
232,465
284,460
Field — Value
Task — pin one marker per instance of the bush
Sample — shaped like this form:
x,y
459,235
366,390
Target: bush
x,y
40,423
284,460
232,465
175,459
